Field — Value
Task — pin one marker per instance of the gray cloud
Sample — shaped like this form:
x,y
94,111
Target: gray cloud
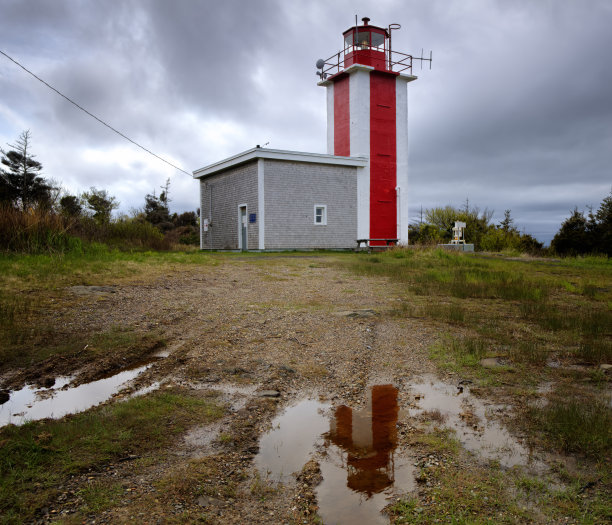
x,y
516,112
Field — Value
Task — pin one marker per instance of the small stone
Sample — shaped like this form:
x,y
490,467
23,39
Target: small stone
x,y
490,362
269,393
605,367
356,313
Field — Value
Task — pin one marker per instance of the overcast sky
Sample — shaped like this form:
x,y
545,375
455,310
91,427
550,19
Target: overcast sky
x,y
516,112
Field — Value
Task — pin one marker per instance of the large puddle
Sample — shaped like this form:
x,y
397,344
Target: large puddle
x,y
453,407
32,403
356,451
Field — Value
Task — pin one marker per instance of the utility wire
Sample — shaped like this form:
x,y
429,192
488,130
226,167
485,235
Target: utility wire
x,y
91,114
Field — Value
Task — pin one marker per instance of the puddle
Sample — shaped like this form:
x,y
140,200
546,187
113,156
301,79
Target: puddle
x,y
360,468
293,437
356,450
32,403
467,415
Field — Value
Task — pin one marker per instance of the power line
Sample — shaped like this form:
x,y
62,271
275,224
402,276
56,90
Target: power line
x,y
92,115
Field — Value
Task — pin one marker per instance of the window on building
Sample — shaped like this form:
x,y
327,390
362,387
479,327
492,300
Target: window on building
x,y
320,214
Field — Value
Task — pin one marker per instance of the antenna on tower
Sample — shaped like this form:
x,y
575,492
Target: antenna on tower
x,y
430,59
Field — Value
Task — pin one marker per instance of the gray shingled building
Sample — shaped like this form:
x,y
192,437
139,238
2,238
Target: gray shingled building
x,y
265,199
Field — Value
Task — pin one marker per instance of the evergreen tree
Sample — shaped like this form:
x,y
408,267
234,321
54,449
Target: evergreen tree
x,y
572,238
506,224
21,185
155,210
603,227
582,235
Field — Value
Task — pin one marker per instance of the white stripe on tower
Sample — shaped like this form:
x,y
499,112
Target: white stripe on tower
x,y
401,126
330,118
359,97
261,204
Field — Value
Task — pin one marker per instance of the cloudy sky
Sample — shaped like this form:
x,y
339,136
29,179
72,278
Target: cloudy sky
x,y
516,112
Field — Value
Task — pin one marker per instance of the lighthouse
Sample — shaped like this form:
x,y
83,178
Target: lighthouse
x,y
356,193
367,116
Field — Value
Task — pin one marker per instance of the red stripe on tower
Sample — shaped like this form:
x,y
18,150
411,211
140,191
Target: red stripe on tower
x,y
342,120
383,157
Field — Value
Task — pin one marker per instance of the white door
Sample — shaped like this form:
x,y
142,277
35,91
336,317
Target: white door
x,y
243,237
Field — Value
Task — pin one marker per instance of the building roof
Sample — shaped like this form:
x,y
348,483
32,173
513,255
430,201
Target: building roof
x,y
278,154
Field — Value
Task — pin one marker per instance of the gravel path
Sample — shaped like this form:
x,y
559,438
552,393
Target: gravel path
x,y
300,326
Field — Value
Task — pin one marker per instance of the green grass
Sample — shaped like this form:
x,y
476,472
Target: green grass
x,y
100,496
97,265
488,494
37,457
574,424
525,311
34,286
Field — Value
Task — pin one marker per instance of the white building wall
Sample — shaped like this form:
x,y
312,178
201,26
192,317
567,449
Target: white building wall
x,y
330,118
261,204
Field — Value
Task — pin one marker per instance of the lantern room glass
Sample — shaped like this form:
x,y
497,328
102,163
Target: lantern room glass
x,y
365,39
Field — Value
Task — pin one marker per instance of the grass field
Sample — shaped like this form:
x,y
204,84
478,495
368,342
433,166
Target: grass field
x,y
545,321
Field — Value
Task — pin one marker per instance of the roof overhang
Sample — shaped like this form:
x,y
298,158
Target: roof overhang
x,y
277,154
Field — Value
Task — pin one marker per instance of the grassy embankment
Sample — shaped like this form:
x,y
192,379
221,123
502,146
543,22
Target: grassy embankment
x,y
547,322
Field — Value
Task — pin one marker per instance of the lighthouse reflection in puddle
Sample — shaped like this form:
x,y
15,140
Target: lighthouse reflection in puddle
x,y
359,468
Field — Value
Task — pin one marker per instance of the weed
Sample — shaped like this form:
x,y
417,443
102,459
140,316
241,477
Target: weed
x,y
44,231
595,351
469,350
589,290
100,496
225,438
441,440
532,352
434,415
577,425
261,488
452,313
531,485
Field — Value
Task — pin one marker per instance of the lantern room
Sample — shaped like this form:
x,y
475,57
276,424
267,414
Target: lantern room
x,y
366,45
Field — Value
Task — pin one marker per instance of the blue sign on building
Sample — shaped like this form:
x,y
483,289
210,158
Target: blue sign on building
x,y
252,217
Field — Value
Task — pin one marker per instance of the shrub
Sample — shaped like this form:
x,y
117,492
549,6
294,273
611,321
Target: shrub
x,y
39,231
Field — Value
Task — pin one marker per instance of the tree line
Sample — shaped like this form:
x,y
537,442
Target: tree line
x,y
23,190
578,234
30,201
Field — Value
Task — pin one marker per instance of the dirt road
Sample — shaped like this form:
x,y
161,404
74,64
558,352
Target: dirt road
x,y
264,333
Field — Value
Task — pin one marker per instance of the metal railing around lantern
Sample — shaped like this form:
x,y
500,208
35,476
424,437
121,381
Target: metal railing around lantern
x,y
395,61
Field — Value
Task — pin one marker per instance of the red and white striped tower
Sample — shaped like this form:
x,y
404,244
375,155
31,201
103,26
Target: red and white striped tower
x,y
367,116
